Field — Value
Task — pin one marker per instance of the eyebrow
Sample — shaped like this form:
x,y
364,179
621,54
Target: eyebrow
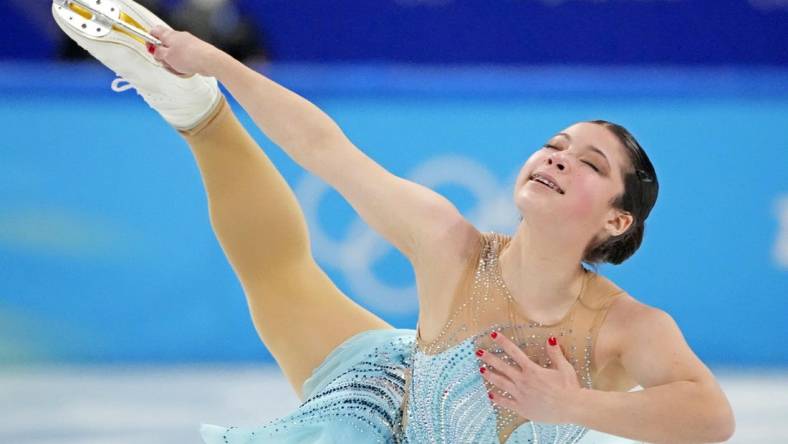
x,y
591,147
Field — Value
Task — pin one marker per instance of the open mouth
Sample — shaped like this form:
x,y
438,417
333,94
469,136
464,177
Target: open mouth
x,y
546,182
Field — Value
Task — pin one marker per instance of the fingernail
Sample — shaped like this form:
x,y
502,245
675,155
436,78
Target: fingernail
x,y
494,334
151,48
482,369
479,352
552,340
490,395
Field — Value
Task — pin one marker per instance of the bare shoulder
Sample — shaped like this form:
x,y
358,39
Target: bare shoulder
x,y
625,314
631,316
625,310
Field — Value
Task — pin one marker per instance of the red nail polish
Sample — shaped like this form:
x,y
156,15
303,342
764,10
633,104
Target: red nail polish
x,y
479,352
482,370
494,334
490,395
151,48
552,340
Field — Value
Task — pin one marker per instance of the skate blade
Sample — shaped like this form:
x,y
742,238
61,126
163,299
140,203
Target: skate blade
x,y
97,18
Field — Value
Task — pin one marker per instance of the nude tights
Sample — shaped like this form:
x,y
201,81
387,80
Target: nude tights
x,y
298,312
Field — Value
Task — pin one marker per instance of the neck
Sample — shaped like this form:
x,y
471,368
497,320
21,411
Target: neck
x,y
542,272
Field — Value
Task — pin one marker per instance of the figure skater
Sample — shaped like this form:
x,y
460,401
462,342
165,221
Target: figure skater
x,y
516,340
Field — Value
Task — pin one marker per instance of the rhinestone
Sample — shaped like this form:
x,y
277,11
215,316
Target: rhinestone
x,y
464,413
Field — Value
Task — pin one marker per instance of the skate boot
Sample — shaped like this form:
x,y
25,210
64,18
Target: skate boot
x,y
116,32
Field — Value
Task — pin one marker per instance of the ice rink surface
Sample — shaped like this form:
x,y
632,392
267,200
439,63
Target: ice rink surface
x,y
131,405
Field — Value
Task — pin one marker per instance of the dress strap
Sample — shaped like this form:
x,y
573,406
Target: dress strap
x,y
599,319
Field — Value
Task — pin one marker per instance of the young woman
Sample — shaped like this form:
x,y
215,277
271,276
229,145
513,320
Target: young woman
x,y
516,340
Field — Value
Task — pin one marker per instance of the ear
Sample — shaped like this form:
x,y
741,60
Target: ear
x,y
618,222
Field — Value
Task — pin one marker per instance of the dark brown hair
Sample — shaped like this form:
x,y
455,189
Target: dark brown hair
x,y
640,194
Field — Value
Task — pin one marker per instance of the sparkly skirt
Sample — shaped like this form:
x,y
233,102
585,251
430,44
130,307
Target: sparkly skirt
x,y
354,396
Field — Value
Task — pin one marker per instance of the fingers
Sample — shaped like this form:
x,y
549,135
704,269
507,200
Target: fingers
x,y
552,354
160,53
156,31
514,352
557,358
505,368
505,402
500,381
162,33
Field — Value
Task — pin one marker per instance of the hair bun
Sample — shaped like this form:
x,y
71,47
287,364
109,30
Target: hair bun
x,y
643,176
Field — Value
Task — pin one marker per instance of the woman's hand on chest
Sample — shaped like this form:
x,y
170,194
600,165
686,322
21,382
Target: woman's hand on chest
x,y
534,392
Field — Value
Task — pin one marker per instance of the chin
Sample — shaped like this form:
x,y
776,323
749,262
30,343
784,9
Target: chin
x,y
528,208
539,208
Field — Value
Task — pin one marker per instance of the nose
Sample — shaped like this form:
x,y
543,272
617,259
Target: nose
x,y
559,162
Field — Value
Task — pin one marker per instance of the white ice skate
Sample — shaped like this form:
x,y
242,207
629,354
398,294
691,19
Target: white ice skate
x,y
116,32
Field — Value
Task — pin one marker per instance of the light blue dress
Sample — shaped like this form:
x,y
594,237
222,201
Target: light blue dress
x,y
355,396
366,387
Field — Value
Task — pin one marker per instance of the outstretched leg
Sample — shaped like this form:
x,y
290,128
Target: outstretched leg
x,y
299,313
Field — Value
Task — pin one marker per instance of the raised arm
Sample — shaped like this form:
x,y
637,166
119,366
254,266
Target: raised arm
x,y
416,220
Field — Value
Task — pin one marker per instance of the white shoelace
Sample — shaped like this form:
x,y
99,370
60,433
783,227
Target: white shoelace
x,y
121,88
153,99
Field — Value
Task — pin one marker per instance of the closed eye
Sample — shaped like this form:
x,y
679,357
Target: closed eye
x,y
592,166
585,162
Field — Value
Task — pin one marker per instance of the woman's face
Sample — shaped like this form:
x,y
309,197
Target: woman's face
x,y
586,161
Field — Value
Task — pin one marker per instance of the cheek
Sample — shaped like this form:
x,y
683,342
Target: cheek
x,y
586,201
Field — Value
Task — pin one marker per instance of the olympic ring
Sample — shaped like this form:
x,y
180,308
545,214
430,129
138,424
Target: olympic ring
x,y
355,254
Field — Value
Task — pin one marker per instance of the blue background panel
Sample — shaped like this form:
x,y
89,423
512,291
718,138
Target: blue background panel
x,y
107,255
665,32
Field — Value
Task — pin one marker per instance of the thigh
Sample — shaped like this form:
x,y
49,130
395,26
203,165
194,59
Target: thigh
x,y
301,316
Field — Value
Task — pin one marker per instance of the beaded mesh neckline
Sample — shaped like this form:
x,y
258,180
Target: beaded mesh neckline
x,y
482,304
498,273
488,297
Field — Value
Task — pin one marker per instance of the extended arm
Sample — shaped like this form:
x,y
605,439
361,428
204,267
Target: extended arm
x,y
681,402
415,219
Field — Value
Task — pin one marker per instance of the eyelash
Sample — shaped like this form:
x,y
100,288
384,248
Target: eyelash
x,y
587,163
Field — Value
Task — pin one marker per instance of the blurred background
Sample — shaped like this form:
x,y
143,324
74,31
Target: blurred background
x,y
121,320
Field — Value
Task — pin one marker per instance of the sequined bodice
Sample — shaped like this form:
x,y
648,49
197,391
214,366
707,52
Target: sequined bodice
x,y
446,397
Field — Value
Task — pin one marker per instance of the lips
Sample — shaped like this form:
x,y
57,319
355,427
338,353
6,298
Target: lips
x,y
548,181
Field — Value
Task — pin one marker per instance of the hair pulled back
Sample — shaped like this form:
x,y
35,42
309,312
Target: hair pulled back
x,y
638,198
